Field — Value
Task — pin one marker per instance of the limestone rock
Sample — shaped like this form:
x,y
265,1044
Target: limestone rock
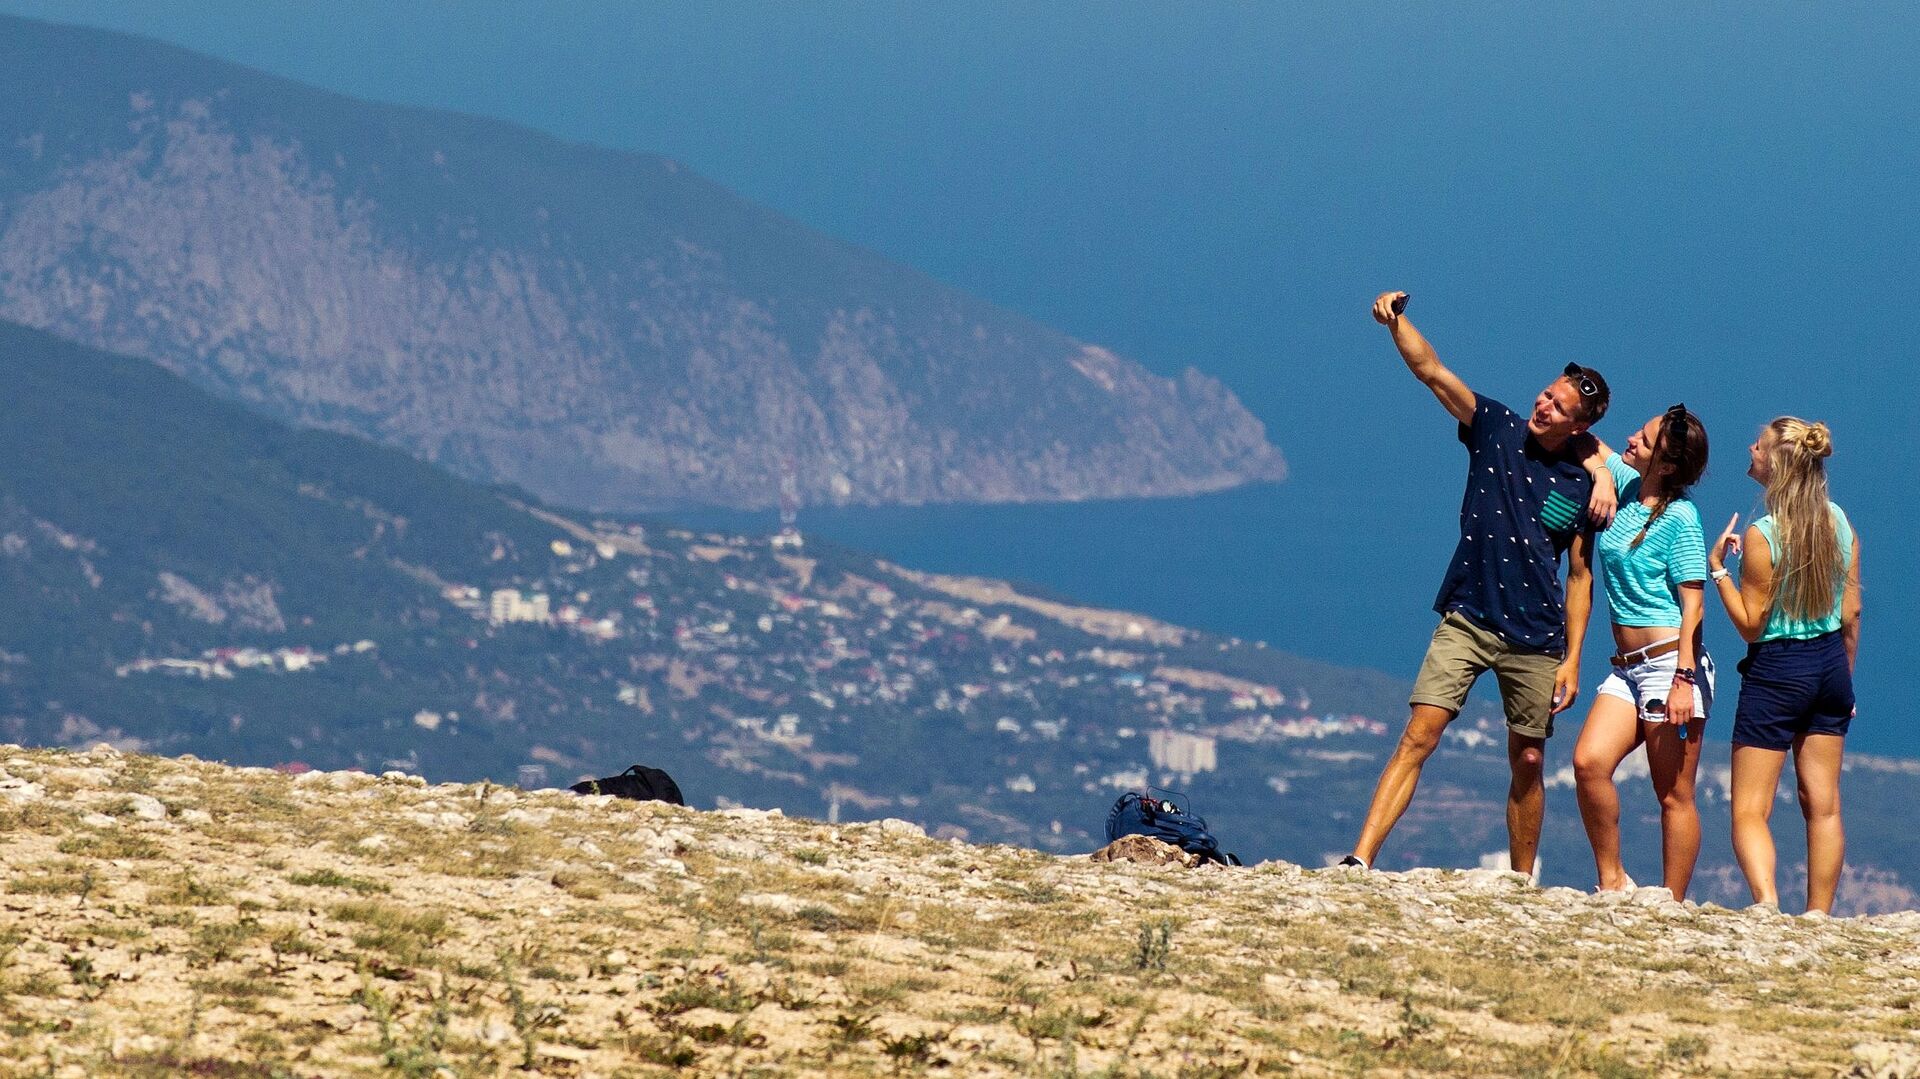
x,y
785,904
1145,850
1882,1060
896,826
146,807
19,791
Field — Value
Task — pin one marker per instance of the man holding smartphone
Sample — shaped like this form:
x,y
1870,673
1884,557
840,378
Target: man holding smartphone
x,y
1534,483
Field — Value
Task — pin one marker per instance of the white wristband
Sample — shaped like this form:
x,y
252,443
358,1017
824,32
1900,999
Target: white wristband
x,y
1721,574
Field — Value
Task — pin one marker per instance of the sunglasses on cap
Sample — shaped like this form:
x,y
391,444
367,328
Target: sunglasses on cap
x,y
1583,381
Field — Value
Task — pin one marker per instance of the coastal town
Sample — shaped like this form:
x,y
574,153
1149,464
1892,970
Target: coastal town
x,y
794,667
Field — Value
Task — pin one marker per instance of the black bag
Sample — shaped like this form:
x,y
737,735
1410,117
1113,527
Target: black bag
x,y
1166,820
640,783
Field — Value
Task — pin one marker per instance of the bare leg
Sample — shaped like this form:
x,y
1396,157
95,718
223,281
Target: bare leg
x,y
1756,777
1611,731
1816,763
1674,765
1526,799
1402,774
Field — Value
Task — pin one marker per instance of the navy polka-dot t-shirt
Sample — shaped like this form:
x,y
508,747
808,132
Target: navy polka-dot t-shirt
x,y
1522,507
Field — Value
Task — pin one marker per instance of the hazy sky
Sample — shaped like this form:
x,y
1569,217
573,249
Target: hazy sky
x,y
1713,203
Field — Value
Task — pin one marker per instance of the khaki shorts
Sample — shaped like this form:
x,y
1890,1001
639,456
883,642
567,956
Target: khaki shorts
x,y
1462,650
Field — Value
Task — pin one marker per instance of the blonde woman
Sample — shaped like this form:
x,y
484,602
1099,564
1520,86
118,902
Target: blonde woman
x,y
1797,604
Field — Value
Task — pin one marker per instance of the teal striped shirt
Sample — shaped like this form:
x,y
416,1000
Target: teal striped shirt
x,y
1643,583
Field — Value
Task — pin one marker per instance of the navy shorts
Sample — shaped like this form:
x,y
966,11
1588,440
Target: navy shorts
x,y
1789,688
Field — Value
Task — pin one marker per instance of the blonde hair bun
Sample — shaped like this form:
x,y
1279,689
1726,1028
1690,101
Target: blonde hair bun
x,y
1817,440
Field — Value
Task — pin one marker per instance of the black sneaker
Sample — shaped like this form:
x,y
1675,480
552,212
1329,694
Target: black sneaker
x,y
1354,861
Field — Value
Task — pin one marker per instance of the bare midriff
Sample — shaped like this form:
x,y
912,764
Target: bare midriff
x,y
1632,638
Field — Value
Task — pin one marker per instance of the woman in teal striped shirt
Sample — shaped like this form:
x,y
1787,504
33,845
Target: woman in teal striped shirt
x,y
1797,604
1652,562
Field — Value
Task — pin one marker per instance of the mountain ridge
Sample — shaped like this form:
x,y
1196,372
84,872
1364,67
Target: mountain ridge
x,y
603,328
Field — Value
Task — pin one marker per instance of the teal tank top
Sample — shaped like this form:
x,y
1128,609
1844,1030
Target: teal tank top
x,y
1779,625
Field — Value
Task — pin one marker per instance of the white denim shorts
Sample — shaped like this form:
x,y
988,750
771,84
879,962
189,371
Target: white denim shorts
x,y
1650,680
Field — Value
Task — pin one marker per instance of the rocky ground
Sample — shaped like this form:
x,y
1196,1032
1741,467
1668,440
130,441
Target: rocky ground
x,y
162,917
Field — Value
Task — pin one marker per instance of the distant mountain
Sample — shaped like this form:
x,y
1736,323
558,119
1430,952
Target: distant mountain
x,y
181,575
603,328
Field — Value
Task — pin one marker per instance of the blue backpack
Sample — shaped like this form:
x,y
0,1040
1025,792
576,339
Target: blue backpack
x,y
1157,815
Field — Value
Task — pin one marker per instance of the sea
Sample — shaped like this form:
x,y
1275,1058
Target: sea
x,y
1322,567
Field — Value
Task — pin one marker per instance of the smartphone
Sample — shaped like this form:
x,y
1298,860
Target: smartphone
x,y
1399,304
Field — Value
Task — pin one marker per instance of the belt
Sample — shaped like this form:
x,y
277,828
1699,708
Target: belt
x,y
1652,651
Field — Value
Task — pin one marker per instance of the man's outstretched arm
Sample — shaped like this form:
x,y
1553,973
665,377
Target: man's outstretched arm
x,y
1454,395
